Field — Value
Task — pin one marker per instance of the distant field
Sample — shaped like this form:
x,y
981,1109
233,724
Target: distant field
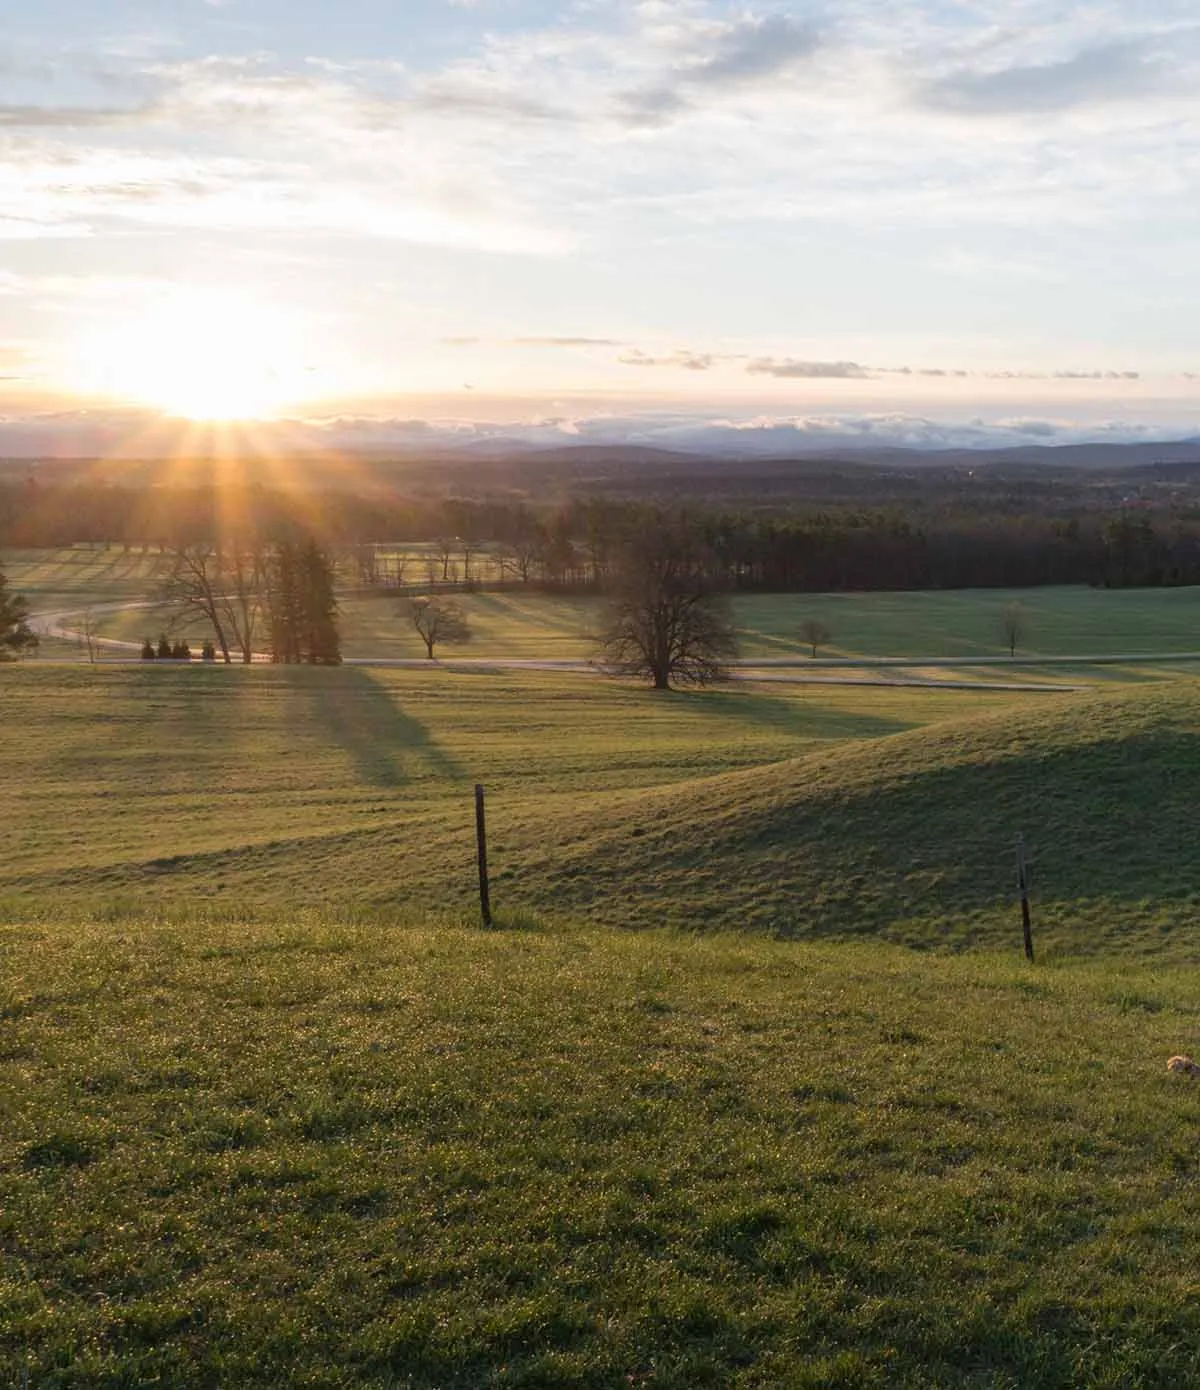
x,y
303,1153
966,623
80,575
962,623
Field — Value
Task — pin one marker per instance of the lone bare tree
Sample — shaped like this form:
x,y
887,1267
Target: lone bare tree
x,y
436,620
1015,626
89,625
815,634
667,620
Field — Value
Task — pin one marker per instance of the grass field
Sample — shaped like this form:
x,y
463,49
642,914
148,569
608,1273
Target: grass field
x,y
1061,622
285,786
803,812
273,1113
316,1155
965,623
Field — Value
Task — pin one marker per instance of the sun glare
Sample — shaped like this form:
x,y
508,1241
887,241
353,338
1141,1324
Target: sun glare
x,y
202,356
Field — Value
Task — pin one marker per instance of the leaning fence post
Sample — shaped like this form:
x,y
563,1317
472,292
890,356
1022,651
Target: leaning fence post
x,y
485,897
1023,888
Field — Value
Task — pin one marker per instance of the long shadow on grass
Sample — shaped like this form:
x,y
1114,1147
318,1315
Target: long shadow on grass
x,y
359,714
805,716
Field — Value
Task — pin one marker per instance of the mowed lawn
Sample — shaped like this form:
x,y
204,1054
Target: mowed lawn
x,y
304,1153
528,625
279,785
959,623
81,575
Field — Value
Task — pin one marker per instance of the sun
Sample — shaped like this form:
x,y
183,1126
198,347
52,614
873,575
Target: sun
x,y
201,355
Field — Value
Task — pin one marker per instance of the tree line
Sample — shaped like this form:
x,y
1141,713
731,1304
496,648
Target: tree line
x,y
937,539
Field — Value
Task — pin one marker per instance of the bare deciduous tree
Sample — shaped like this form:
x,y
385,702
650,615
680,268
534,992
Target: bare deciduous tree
x,y
223,585
436,620
815,634
666,619
1014,625
88,625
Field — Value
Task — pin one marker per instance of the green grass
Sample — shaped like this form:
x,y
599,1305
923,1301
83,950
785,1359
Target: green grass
x,y
911,835
272,1114
797,811
283,786
966,623
313,1154
1063,621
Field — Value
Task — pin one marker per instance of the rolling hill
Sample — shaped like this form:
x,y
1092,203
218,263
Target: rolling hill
x,y
911,836
817,814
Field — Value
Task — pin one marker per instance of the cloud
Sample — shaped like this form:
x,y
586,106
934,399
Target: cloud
x,y
752,49
565,342
689,361
1005,375
572,341
750,52
807,371
71,117
492,102
92,432
1110,72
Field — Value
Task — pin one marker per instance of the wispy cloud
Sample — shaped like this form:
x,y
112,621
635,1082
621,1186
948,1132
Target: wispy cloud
x,y
687,361
752,51
791,367
1110,73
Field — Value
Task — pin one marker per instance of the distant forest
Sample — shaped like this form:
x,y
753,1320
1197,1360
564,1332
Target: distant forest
x,y
823,525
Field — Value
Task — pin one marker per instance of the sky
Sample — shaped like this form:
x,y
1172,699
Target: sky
x,y
934,221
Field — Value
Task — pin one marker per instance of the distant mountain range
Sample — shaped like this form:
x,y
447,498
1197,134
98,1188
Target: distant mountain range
x,y
658,441
365,454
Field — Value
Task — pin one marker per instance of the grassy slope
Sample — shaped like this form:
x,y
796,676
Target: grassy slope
x,y
307,1154
912,835
801,812
352,786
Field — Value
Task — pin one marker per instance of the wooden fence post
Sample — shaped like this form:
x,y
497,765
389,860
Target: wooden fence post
x,y
1023,887
485,897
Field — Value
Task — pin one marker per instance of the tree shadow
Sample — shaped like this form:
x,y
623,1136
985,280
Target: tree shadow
x,y
360,715
806,717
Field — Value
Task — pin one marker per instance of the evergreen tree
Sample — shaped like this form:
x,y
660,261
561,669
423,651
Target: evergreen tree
x,y
148,652
208,652
164,652
322,643
16,636
302,606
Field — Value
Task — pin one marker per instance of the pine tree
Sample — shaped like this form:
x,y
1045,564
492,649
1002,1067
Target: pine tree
x,y
322,644
302,606
16,636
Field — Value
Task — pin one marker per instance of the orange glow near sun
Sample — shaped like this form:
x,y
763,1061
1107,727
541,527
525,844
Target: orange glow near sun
x,y
201,355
